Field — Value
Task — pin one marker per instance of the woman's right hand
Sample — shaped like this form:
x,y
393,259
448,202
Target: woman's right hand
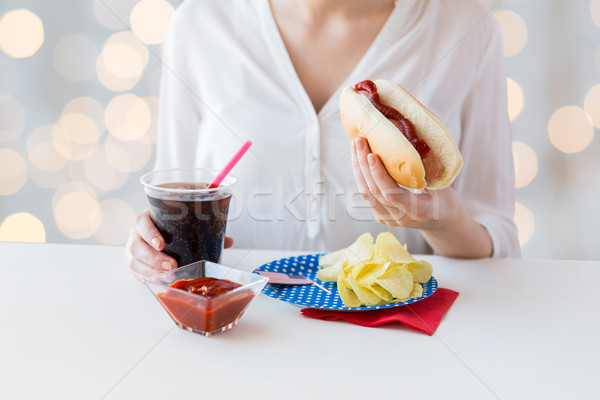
x,y
144,247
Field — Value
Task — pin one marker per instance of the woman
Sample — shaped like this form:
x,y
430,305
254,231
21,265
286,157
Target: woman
x,y
272,72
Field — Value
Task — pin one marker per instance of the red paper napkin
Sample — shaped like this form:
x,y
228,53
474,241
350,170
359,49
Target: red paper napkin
x,y
424,315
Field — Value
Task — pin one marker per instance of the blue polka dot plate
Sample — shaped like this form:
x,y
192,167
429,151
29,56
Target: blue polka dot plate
x,y
314,296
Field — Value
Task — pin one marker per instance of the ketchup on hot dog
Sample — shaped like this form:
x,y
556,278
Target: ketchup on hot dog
x,y
369,89
431,163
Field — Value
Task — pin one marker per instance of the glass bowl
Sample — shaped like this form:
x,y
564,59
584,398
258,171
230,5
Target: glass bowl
x,y
200,314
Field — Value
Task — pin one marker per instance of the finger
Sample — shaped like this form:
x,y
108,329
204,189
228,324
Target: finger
x,y
359,156
389,191
146,229
359,175
228,242
361,184
394,198
397,199
141,271
140,250
363,156
362,151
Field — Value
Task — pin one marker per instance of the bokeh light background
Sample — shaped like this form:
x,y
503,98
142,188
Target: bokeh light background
x,y
79,86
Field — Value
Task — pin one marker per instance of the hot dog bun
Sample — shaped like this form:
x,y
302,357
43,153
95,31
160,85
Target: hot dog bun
x,y
400,158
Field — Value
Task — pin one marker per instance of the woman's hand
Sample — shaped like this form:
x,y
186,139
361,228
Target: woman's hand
x,y
445,224
144,247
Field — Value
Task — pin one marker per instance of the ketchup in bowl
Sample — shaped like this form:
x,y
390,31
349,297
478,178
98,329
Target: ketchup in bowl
x,y
206,313
204,301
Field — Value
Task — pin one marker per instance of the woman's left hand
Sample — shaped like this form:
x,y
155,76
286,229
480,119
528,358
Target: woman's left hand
x,y
395,205
446,225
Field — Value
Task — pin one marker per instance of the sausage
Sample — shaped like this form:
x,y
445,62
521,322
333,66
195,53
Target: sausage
x,y
433,166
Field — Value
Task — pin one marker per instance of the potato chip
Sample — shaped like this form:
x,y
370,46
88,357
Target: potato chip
x,y
417,291
361,250
365,295
390,248
377,273
330,259
378,258
367,271
330,274
381,293
420,270
347,295
397,280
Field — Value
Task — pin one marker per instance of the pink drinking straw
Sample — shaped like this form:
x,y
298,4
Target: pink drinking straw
x,y
230,165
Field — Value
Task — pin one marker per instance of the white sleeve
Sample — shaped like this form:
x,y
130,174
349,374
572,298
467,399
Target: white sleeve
x,y
486,184
179,100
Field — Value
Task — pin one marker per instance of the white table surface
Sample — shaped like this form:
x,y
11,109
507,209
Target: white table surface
x,y
77,325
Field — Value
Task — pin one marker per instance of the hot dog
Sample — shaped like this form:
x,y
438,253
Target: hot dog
x,y
412,143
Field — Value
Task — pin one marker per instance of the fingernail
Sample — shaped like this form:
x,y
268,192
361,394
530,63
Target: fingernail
x,y
359,144
371,159
155,242
167,265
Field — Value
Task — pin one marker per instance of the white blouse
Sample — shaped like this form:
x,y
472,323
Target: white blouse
x,y
227,78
